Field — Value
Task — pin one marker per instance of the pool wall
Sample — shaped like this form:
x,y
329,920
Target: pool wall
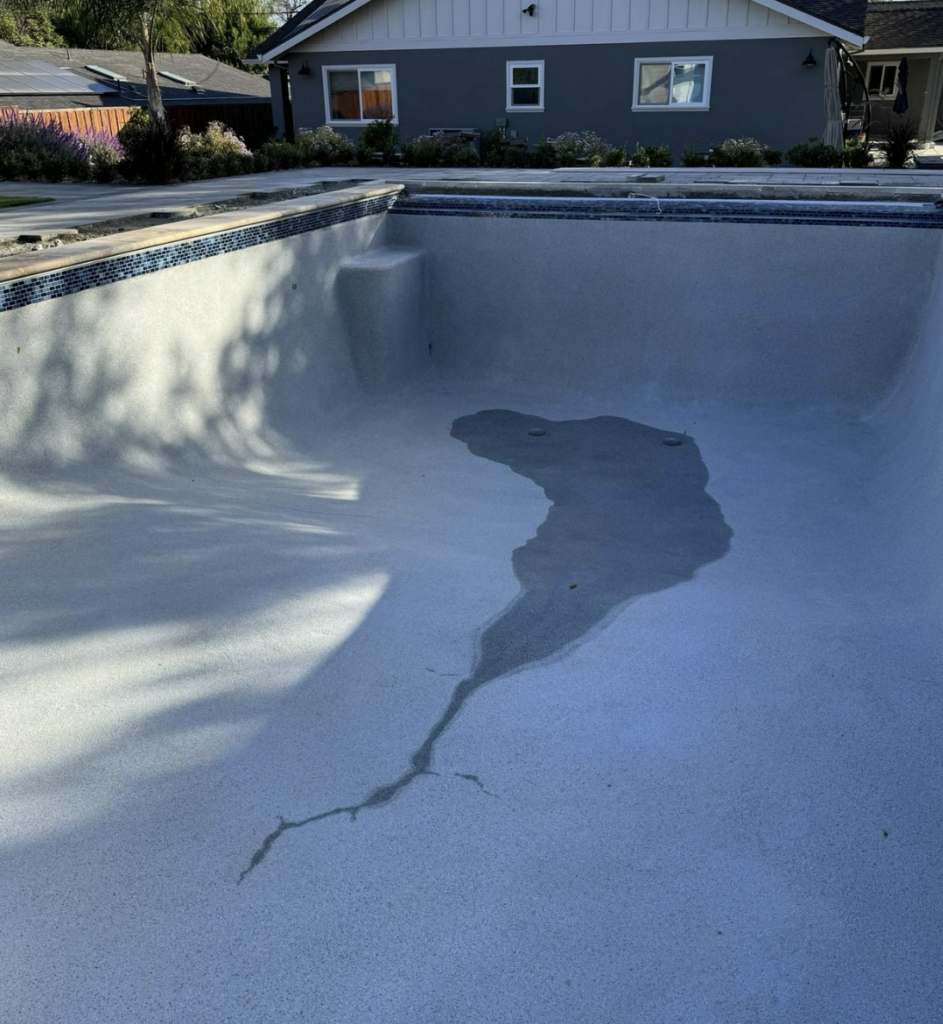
x,y
908,474
769,315
228,343
222,354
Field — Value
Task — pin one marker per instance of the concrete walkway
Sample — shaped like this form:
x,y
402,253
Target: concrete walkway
x,y
85,204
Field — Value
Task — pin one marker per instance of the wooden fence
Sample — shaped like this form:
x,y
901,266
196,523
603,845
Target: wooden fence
x,y
252,121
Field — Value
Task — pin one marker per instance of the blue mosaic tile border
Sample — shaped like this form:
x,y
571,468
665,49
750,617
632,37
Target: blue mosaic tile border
x,y
53,285
735,211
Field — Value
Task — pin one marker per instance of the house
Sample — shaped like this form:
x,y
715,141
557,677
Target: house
x,y
911,29
82,86
649,71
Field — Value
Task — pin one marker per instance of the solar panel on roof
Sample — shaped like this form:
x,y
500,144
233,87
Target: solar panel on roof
x,y
36,78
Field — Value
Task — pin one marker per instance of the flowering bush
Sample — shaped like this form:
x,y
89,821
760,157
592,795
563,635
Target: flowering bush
x,y
324,146
105,154
588,147
33,150
738,153
217,152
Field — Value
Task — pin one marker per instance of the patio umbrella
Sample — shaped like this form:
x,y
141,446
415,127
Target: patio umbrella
x,y
903,73
833,135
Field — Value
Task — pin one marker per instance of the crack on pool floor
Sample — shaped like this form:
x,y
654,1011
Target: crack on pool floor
x,y
476,780
628,516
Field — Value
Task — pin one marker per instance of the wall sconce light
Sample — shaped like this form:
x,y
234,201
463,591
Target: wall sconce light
x,y
810,61
304,69
530,10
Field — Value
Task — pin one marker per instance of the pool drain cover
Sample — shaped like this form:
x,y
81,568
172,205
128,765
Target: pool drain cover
x,y
672,442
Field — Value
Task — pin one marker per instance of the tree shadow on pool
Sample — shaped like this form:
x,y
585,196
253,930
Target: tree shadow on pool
x,y
630,516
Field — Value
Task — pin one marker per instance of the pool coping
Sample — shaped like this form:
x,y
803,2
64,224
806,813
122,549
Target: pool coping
x,y
93,250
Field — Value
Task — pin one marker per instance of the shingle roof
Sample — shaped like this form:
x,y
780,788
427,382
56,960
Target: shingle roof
x,y
213,82
904,24
306,17
847,14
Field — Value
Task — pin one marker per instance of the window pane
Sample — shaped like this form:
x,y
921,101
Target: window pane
x,y
874,78
654,80
525,76
525,97
345,97
688,83
890,76
376,89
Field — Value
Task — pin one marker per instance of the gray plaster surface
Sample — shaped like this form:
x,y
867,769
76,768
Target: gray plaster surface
x,y
701,786
629,516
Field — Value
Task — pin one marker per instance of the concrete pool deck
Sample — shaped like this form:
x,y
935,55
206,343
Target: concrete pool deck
x,y
456,694
85,203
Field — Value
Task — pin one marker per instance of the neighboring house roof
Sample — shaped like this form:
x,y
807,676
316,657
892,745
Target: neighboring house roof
x,y
905,24
212,82
295,25
844,14
847,14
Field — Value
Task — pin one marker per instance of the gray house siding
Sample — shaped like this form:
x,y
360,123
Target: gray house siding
x,y
759,89
882,111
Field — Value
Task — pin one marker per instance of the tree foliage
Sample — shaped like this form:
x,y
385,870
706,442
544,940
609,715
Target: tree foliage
x,y
222,29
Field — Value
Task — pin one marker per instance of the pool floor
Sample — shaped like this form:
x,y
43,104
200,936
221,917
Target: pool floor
x,y
709,799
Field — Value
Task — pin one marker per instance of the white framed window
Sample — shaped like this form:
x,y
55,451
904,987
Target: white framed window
x,y
882,80
358,95
672,83
525,85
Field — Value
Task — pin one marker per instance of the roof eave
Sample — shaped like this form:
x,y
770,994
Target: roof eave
x,y
839,31
308,31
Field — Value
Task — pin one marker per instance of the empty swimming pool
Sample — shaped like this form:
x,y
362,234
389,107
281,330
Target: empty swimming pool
x,y
447,608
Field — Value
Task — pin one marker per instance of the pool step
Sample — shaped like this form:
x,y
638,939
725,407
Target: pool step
x,y
380,292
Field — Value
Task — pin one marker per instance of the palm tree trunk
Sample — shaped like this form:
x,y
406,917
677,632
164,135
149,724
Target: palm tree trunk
x,y
155,103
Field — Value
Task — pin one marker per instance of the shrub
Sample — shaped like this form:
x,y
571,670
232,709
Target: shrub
x,y
693,157
516,154
652,156
545,154
899,142
324,147
491,145
857,154
440,151
499,151
215,153
105,155
150,148
773,157
616,156
31,149
587,147
737,153
379,137
276,155
814,154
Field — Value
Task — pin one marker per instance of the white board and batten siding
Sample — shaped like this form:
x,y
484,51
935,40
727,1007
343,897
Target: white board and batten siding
x,y
393,24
